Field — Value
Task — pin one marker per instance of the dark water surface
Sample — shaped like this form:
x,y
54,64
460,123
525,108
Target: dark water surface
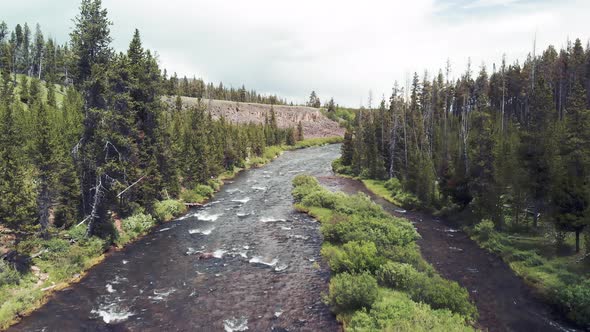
x,y
246,260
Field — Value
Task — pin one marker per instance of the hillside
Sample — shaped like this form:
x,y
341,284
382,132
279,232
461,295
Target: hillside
x,y
315,124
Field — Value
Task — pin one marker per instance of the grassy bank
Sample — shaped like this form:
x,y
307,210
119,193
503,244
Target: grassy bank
x,y
68,254
557,275
390,190
379,279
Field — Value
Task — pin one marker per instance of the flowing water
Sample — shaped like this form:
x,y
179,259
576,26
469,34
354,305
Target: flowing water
x,y
245,261
248,261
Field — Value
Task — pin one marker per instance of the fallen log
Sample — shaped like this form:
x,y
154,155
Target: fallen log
x,y
193,204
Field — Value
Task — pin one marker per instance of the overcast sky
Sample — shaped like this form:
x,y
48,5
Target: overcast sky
x,y
337,48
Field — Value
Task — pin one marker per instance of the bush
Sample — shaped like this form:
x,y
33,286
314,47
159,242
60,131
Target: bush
x,y
576,298
168,209
204,191
529,258
352,257
321,198
197,195
134,226
394,311
384,232
350,292
440,293
484,230
272,152
394,186
8,275
304,185
407,200
338,168
409,254
397,275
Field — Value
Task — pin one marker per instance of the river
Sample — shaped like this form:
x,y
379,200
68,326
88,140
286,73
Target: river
x,y
245,260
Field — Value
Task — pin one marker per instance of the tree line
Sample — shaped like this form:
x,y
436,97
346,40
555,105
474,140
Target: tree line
x,y
104,146
36,56
513,145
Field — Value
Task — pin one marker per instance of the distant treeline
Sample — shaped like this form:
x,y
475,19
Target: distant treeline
x,y
34,55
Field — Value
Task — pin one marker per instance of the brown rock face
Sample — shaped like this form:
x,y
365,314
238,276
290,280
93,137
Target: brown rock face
x,y
315,124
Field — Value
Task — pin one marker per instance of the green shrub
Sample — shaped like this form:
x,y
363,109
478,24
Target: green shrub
x,y
529,258
271,152
56,248
8,275
215,184
134,226
383,232
338,168
350,292
305,180
397,275
204,191
321,198
440,293
393,185
409,254
197,195
394,311
576,298
352,257
304,185
484,230
168,209
407,200
77,233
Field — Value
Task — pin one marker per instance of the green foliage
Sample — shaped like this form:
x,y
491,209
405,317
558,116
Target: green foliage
x,y
365,245
351,292
394,311
339,168
168,209
396,275
384,232
197,195
433,290
353,257
393,185
134,226
576,298
318,141
304,185
484,230
8,275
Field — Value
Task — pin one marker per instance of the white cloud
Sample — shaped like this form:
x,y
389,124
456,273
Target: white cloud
x,y
339,48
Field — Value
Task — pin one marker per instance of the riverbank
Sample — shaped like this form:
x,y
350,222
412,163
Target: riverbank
x,y
379,279
516,266
68,255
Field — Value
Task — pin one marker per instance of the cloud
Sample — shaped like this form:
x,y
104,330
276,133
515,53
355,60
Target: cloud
x,y
338,48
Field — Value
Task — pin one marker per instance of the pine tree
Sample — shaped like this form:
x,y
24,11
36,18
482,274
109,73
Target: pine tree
x,y
17,206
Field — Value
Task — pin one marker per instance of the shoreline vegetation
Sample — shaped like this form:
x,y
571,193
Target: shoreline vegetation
x,y
379,279
66,258
555,277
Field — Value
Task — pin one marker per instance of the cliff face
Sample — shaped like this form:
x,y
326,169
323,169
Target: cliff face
x,y
315,124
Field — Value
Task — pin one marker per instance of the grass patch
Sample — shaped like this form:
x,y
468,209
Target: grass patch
x,y
309,142
372,253
561,280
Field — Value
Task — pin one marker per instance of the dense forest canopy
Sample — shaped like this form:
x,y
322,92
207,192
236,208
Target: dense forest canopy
x,y
85,138
509,141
